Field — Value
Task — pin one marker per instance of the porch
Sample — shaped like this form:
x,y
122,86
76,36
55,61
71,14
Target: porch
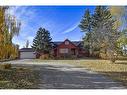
x,y
66,52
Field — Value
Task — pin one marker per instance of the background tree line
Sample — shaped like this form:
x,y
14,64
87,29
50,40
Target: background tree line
x,y
9,27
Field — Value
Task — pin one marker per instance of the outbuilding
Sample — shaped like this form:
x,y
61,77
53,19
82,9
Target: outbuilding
x,y
27,53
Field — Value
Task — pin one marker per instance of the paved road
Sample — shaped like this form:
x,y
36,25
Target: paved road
x,y
66,76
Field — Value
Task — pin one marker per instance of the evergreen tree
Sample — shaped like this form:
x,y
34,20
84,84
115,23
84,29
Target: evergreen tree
x,y
101,32
42,41
85,23
86,26
104,31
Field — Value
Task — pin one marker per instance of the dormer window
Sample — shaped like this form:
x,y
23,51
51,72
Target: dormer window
x,y
66,42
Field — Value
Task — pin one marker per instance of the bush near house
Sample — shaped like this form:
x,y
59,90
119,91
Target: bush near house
x,y
44,56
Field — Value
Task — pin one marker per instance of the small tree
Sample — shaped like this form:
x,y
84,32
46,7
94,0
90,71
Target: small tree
x,y
42,41
27,44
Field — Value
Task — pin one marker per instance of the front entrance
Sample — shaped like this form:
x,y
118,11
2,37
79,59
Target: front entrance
x,y
73,51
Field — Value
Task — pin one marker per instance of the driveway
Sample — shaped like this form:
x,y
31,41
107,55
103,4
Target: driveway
x,y
67,76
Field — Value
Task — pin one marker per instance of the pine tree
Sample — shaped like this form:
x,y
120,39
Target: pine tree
x,y
104,31
86,26
85,23
101,33
42,41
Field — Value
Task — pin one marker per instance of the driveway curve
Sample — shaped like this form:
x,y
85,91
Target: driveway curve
x,y
68,76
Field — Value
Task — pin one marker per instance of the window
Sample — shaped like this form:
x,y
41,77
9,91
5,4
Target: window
x,y
66,43
64,50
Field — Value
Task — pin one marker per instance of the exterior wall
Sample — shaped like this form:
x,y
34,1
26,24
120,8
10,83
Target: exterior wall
x,y
79,52
69,46
27,55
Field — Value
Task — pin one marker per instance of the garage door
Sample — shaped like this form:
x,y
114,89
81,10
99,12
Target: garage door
x,y
27,55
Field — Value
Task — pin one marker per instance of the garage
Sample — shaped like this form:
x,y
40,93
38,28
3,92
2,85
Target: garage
x,y
27,53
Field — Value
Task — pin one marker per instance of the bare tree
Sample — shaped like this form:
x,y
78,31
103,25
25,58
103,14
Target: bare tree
x,y
27,44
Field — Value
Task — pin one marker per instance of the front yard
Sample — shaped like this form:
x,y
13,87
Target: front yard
x,y
22,76
117,71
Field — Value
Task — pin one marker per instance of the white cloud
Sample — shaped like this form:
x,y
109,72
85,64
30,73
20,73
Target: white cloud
x,y
22,13
30,38
71,28
25,15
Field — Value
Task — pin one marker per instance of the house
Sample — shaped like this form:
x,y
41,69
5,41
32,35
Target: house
x,y
64,49
69,48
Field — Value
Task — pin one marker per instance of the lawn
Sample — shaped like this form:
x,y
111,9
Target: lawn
x,y
117,71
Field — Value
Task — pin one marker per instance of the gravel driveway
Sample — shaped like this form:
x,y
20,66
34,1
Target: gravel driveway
x,y
66,76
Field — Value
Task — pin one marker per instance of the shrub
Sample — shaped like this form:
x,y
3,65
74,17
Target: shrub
x,y
8,51
52,56
45,56
66,56
103,56
96,54
5,66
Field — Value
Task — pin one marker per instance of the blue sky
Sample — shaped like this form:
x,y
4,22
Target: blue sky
x,y
61,21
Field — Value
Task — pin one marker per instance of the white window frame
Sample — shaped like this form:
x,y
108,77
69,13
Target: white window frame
x,y
63,50
66,42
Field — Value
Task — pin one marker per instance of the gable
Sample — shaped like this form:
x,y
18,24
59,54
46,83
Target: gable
x,y
67,44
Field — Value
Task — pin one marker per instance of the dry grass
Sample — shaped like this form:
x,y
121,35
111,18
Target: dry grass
x,y
94,64
16,78
105,65
117,71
